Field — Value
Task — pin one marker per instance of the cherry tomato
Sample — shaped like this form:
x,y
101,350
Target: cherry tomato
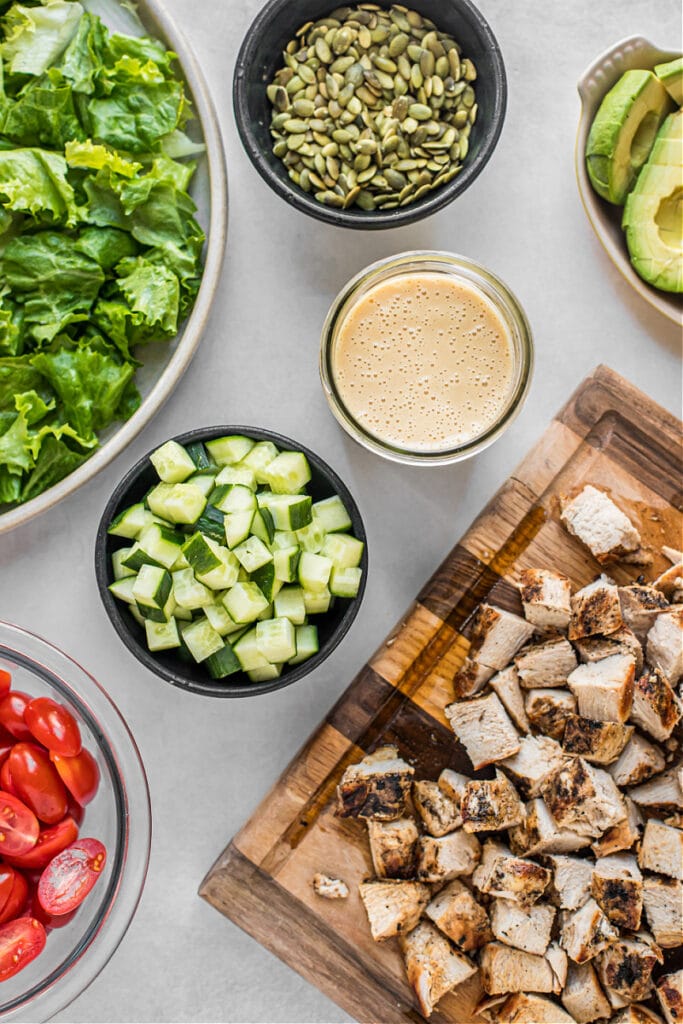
x,y
6,779
50,842
17,898
20,942
5,682
6,882
6,744
75,810
53,726
37,782
70,876
80,774
12,708
49,921
19,826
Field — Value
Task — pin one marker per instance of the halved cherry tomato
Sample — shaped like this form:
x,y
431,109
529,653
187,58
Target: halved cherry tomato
x,y
19,826
20,942
80,774
53,726
50,842
5,682
37,782
12,707
6,744
49,921
16,900
6,779
70,876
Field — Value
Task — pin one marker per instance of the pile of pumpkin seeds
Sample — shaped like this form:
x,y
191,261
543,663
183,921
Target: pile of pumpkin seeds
x,y
373,107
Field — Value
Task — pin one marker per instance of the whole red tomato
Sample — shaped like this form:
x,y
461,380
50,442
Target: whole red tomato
x,y
80,774
5,777
5,682
12,707
37,782
53,726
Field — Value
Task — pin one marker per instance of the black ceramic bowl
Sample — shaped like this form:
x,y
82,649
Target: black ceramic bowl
x,y
261,55
332,626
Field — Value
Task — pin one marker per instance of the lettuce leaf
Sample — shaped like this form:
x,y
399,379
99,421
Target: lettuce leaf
x,y
17,375
42,114
36,36
107,246
33,181
55,461
153,291
136,116
83,58
95,157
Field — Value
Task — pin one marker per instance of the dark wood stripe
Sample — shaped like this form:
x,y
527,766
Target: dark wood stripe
x,y
460,582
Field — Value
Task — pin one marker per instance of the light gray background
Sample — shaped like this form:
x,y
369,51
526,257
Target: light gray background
x,y
210,762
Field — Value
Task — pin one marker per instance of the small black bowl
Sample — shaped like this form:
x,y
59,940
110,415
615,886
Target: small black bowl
x,y
261,55
332,626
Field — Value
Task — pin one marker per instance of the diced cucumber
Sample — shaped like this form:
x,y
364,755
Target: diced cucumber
x,y
265,673
237,475
200,555
162,544
332,515
189,592
220,620
266,581
204,481
236,527
314,571
172,463
290,511
183,614
306,644
151,590
136,558
178,503
136,615
289,604
259,458
211,524
123,589
201,639
223,663
238,498
286,561
317,602
275,640
263,526
244,602
312,537
162,636
284,539
118,568
180,563
225,575
131,522
287,473
248,654
226,451
345,582
346,552
199,455
252,554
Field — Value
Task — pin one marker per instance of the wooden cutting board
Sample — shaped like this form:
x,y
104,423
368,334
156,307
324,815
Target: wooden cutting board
x,y
609,434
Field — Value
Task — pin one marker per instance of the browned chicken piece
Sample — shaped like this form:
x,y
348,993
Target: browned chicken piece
x,y
526,928
452,784
621,836
448,857
496,636
665,645
669,990
545,596
484,729
670,583
617,888
376,787
662,794
440,815
489,805
470,678
622,641
502,874
571,884
540,833
525,1008
583,997
637,762
393,907
663,902
548,710
559,961
538,757
636,1014
546,664
595,610
601,525
432,965
586,932
656,708
583,798
393,847
505,969
640,606
604,689
506,686
626,966
662,849
330,888
458,915
597,742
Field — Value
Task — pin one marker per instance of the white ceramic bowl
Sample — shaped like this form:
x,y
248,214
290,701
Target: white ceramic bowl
x,y
605,219
163,364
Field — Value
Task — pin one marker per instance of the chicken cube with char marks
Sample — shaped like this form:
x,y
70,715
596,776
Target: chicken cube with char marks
x,y
662,849
583,798
635,1013
604,689
496,636
665,645
541,834
617,888
433,966
656,708
484,729
583,996
621,836
597,742
548,711
470,678
439,813
452,784
505,685
586,932
447,857
626,966
393,847
456,913
622,641
330,888
595,610
546,664
528,1008
559,961
537,757
502,874
670,582
490,805
663,903
393,907
376,787
661,794
572,878
597,522
526,928
670,995
545,597
641,604
506,969
639,760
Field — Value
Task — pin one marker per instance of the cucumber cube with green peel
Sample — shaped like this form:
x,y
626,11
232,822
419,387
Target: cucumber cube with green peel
x,y
151,591
131,522
200,555
259,458
237,526
317,602
346,552
286,562
238,499
248,654
345,582
275,640
252,554
284,539
265,579
188,592
314,571
180,563
201,639
311,537
204,481
265,673
220,620
212,524
172,463
224,575
117,564
223,663
177,503
306,644
132,608
226,451
162,636
290,511
287,473
200,456
332,515
237,475
263,526
244,602
289,604
136,558
123,589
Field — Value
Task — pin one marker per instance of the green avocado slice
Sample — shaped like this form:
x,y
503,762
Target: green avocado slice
x,y
671,77
653,215
623,132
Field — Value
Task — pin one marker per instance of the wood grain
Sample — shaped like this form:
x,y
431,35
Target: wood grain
x,y
610,434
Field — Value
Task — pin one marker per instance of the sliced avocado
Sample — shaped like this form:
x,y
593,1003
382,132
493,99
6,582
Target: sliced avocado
x,y
653,215
671,77
623,132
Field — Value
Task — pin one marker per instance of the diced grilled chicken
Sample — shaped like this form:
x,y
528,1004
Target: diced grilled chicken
x,y
452,784
670,583
470,678
586,932
376,787
617,888
662,794
440,860
583,997
622,641
601,525
540,833
665,645
621,836
505,685
640,606
548,710
670,995
638,761
559,961
595,610
662,849
505,969
636,1014
502,874
393,907
525,1008
538,757
546,664
483,727
626,966
526,928
663,902
457,914
497,635
656,708
432,965
489,805
571,884
583,798
597,742
545,596
604,689
330,888
440,814
393,847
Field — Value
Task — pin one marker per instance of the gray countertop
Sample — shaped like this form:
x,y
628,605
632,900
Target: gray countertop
x,y
210,762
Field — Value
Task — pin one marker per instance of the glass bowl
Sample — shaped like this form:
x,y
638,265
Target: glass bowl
x,y
460,269
119,816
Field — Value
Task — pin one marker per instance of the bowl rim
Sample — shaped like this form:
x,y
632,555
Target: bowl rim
x,y
224,688
360,219
154,11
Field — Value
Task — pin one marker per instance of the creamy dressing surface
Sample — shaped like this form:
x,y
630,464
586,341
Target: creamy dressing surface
x,y
424,362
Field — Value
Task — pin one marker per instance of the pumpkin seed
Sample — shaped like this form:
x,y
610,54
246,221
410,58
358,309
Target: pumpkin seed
x,y
427,63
